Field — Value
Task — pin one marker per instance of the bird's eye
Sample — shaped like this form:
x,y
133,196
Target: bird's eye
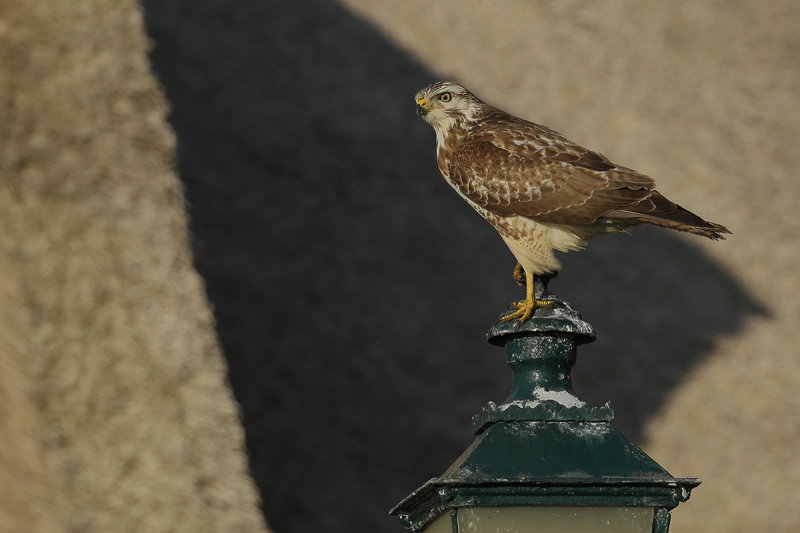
x,y
445,97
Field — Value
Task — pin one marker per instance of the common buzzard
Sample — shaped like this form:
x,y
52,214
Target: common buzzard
x,y
541,191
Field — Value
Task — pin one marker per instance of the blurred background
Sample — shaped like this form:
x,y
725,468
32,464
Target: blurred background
x,y
235,285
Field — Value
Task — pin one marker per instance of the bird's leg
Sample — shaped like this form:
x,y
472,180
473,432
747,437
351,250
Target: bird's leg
x,y
525,308
519,274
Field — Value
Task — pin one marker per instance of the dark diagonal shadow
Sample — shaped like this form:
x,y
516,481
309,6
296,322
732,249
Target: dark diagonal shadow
x,y
352,288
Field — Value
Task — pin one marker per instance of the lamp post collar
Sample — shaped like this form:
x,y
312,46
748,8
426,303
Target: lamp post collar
x,y
541,353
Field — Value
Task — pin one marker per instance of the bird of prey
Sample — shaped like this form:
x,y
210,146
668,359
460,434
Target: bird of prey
x,y
540,191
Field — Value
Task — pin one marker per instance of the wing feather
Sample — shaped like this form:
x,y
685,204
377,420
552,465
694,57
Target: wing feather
x,y
543,177
510,166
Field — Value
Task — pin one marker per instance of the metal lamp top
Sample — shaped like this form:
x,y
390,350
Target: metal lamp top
x,y
543,445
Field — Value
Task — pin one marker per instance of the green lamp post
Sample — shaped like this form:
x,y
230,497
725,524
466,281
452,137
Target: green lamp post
x,y
544,460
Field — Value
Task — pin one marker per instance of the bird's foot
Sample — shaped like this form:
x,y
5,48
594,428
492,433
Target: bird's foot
x,y
525,308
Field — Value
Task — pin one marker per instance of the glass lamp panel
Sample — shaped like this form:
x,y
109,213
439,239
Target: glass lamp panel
x,y
549,520
443,524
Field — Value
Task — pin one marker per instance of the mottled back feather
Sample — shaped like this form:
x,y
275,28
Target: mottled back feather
x,y
511,167
515,167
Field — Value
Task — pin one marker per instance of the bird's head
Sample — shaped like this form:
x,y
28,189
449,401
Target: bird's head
x,y
444,103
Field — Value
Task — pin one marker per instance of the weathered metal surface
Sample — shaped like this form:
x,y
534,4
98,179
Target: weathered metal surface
x,y
541,353
547,463
543,445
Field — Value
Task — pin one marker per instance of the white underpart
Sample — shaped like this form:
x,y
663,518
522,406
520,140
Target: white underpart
x,y
534,251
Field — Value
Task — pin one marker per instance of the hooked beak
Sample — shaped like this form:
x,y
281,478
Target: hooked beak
x,y
422,110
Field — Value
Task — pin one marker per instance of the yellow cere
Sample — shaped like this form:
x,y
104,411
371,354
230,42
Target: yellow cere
x,y
421,102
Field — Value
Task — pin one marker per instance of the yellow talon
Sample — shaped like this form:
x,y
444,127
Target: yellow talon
x,y
525,308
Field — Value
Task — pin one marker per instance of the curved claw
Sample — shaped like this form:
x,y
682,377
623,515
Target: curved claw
x,y
525,308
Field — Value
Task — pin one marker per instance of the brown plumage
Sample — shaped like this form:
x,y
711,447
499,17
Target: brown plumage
x,y
540,190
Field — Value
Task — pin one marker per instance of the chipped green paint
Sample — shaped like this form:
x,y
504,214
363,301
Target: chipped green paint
x,y
541,353
543,446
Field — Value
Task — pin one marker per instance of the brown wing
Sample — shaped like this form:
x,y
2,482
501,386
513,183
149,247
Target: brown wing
x,y
545,178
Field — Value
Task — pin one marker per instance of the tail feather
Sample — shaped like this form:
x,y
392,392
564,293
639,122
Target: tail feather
x,y
657,210
710,229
